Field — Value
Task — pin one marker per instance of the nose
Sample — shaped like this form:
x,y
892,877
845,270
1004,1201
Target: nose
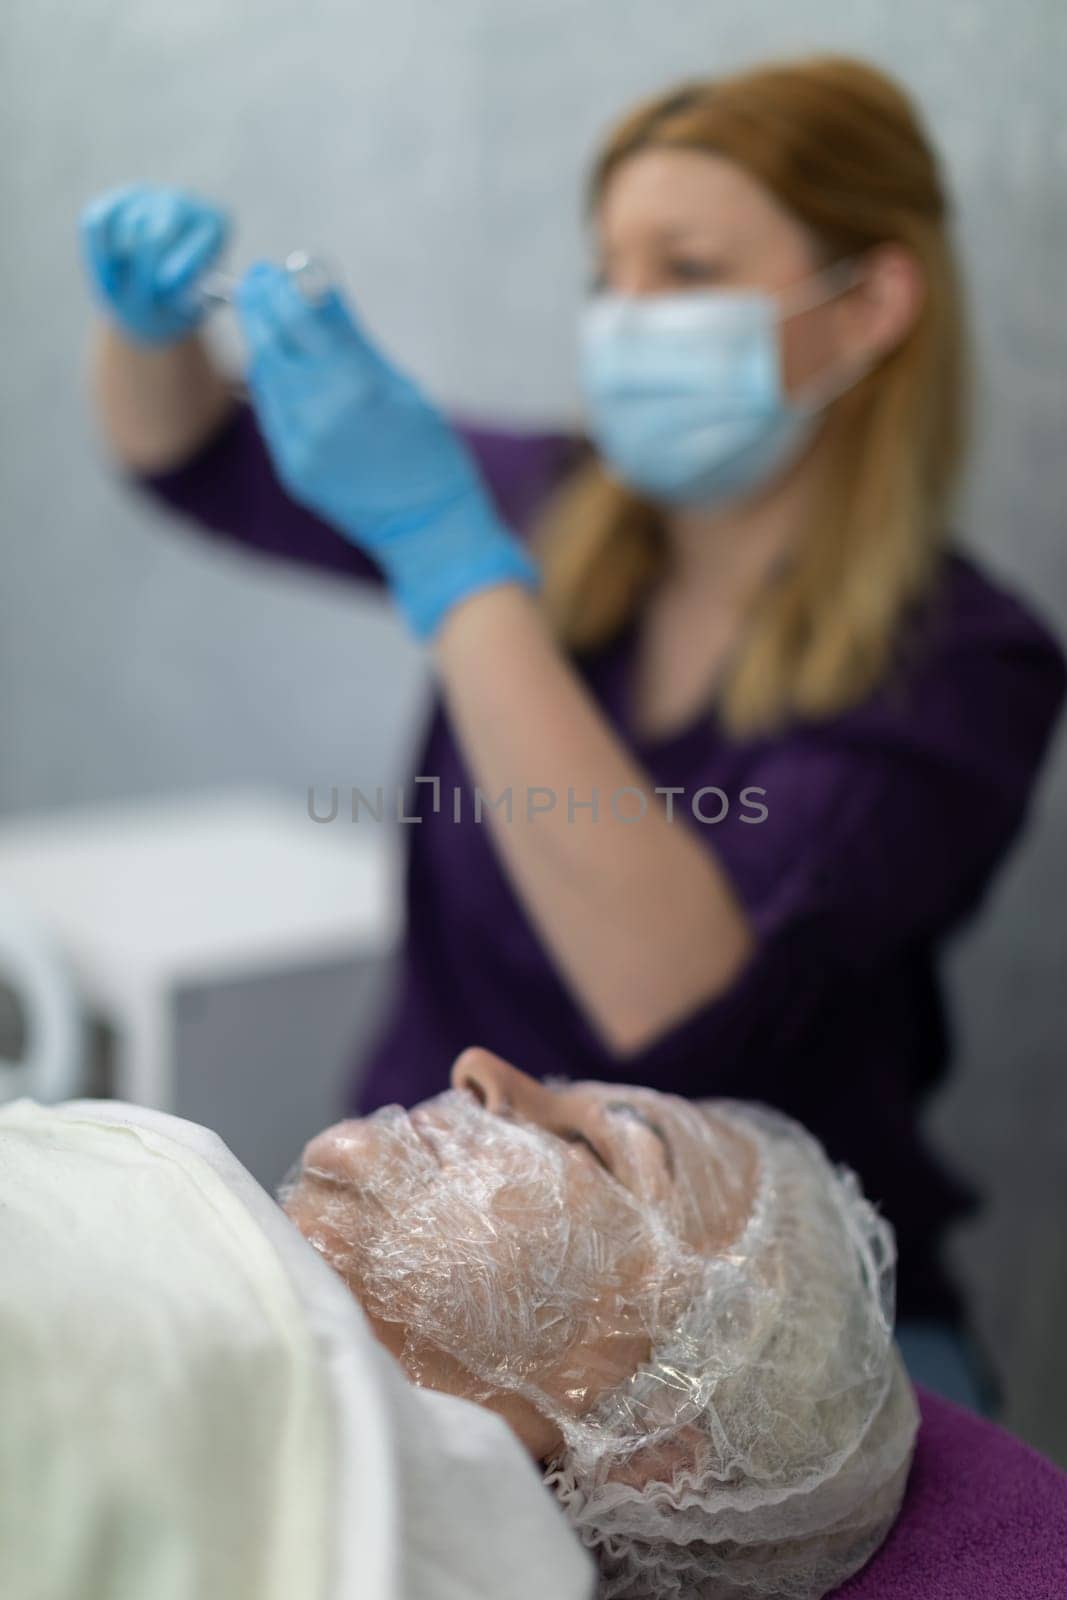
x,y
501,1088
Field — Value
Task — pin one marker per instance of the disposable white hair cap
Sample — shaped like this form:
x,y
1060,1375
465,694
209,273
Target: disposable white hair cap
x,y
775,1418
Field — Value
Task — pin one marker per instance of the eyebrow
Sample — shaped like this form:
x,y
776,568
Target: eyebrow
x,y
680,230
635,1111
671,232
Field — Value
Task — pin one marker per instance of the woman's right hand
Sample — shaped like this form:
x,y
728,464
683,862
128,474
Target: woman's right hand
x,y
145,246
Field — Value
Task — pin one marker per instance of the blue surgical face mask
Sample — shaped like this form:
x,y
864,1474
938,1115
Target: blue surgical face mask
x,y
684,392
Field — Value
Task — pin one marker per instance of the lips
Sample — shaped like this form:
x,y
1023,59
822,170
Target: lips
x,y
423,1134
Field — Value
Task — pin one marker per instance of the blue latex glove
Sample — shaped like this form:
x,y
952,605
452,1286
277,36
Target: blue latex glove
x,y
356,441
145,247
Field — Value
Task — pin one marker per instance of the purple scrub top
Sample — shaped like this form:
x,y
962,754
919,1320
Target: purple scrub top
x,y
884,827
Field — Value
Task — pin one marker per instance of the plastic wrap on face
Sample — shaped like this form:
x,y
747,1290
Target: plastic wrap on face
x,y
691,1303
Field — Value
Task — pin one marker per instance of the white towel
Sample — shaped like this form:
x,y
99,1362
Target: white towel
x,y
192,1406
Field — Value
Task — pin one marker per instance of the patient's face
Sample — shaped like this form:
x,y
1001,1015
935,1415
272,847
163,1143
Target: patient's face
x,y
518,1243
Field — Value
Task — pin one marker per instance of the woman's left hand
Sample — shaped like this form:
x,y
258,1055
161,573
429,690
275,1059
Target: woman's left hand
x,y
355,440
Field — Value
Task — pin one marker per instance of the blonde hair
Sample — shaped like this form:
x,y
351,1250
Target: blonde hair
x,y
842,148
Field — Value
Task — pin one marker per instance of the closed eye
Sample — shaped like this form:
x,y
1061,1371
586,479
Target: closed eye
x,y
575,1136
626,1108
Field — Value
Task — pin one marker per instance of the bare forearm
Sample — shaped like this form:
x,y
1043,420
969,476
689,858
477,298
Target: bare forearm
x,y
156,403
640,918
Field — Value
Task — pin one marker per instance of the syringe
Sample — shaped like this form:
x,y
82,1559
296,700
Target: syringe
x,y
215,288
308,273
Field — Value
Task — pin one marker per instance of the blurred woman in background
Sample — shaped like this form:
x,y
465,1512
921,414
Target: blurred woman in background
x,y
736,612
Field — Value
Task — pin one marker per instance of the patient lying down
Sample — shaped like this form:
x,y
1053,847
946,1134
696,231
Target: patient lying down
x,y
684,1313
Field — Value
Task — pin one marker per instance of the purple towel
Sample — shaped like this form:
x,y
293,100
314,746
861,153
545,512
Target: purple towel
x,y
984,1518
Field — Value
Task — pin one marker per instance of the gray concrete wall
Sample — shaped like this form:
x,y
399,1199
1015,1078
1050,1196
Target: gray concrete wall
x,y
434,152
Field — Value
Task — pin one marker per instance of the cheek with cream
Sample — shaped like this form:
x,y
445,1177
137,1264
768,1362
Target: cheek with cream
x,y
488,1247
